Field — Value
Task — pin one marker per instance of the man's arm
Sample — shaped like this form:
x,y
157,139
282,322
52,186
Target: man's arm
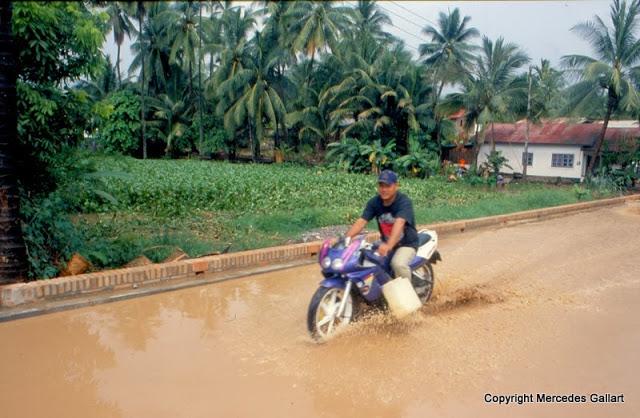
x,y
356,227
367,214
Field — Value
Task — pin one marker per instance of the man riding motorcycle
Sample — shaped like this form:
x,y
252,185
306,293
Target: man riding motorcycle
x,y
393,211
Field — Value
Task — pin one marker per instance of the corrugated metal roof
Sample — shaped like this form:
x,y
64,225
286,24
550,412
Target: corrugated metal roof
x,y
460,113
558,132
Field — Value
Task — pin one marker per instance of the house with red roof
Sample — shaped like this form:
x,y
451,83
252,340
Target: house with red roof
x,y
557,148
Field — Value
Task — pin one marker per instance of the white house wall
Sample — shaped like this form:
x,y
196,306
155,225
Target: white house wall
x,y
541,159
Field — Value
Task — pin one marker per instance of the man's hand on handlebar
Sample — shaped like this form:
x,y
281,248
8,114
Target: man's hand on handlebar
x,y
383,249
340,239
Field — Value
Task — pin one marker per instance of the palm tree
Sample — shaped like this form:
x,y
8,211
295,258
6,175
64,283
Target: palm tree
x,y
186,34
614,68
277,33
139,8
449,54
183,32
315,121
548,83
368,20
317,26
385,98
489,93
235,24
249,96
153,47
121,25
13,265
172,117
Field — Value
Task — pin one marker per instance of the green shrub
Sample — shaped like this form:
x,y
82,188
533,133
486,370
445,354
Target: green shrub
x,y
580,192
119,131
50,236
419,162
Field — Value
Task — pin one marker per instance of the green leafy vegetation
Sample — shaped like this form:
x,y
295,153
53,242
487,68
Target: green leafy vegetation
x,y
203,207
120,126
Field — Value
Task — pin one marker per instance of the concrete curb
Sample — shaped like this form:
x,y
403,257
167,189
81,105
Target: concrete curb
x,y
167,273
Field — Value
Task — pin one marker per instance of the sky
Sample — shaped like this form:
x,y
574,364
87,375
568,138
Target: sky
x,y
540,28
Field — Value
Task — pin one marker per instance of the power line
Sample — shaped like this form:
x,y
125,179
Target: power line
x,y
401,17
413,13
402,30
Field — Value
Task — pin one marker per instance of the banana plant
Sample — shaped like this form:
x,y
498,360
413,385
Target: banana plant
x,y
379,155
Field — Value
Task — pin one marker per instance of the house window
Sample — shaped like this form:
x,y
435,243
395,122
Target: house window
x,y
527,159
561,160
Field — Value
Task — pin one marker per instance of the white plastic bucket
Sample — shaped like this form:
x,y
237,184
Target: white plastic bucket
x,y
401,297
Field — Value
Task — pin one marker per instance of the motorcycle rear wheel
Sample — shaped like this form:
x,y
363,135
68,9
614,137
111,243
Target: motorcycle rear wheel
x,y
423,280
322,319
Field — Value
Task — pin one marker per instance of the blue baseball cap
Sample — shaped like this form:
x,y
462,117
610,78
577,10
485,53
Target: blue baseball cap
x,y
388,177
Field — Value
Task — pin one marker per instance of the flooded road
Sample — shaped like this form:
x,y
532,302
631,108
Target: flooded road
x,y
550,307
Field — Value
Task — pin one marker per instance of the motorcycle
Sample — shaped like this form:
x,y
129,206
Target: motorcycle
x,y
354,274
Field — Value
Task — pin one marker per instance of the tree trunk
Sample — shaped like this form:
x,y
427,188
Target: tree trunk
x,y
435,115
232,150
167,149
402,144
142,94
525,155
493,137
437,98
276,137
476,147
13,257
610,105
313,55
190,80
200,105
118,67
251,145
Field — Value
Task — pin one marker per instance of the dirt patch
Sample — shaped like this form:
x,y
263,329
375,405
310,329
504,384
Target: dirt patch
x,y
633,208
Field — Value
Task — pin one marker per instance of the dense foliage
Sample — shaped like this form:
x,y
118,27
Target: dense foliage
x,y
317,73
56,42
119,128
319,82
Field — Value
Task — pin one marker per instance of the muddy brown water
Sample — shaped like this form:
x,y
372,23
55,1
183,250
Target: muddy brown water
x,y
549,307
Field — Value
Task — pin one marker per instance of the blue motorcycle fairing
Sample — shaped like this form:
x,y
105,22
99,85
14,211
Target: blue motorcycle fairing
x,y
333,282
368,280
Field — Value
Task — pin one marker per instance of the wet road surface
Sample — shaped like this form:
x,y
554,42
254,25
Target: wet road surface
x,y
549,307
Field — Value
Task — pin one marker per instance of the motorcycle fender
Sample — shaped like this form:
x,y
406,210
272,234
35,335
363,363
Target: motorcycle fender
x,y
435,257
333,283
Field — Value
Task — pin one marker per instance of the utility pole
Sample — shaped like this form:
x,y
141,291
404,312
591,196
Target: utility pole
x,y
525,156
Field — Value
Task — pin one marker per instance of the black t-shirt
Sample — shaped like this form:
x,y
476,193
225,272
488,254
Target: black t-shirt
x,y
386,217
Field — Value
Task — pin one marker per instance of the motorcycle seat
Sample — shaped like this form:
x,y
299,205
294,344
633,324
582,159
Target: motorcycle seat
x,y
423,238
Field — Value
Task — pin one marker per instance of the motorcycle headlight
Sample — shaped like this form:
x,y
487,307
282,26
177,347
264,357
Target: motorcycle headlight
x,y
326,263
337,264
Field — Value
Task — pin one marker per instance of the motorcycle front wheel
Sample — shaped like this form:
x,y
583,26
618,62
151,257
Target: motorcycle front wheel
x,y
322,318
